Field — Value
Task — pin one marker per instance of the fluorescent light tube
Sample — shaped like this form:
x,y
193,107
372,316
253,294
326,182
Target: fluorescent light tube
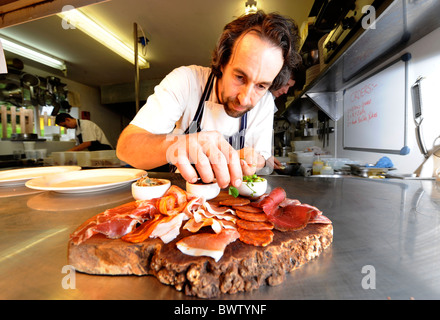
x,y
76,19
31,53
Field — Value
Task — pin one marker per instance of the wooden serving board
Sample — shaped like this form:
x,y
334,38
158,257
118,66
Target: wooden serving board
x,y
242,268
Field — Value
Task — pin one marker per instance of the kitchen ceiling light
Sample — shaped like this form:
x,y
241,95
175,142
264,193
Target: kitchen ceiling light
x,y
74,18
31,53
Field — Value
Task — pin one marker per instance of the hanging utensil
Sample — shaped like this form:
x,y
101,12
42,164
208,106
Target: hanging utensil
x,y
31,83
29,80
416,94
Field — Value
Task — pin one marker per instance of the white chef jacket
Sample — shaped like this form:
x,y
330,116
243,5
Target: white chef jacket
x,y
174,103
90,132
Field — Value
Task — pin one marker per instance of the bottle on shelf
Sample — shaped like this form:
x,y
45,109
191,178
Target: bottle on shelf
x,y
317,165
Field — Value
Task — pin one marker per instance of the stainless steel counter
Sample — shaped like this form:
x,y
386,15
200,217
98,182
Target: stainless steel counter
x,y
386,243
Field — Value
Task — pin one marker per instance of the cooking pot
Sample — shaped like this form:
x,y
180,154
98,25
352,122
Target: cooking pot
x,y
29,80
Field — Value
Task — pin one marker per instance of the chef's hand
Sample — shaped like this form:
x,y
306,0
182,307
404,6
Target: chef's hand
x,y
212,155
250,161
276,163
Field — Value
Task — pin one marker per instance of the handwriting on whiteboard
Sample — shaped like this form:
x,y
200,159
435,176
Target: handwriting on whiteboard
x,y
360,111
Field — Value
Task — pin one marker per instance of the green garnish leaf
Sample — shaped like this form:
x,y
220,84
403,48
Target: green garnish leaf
x,y
233,191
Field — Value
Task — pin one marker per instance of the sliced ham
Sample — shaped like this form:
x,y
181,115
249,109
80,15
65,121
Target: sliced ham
x,y
208,244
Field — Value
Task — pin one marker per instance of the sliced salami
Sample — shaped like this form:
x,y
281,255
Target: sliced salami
x,y
249,216
235,202
248,208
254,225
259,238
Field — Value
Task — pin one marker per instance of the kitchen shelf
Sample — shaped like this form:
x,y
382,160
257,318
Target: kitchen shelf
x,y
399,23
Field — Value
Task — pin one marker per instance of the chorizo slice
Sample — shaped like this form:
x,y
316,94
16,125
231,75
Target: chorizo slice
x,y
253,225
248,208
249,216
235,202
260,238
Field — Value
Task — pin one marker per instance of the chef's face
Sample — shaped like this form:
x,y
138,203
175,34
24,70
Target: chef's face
x,y
69,123
284,89
247,76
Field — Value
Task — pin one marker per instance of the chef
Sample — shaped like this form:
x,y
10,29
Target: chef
x,y
88,134
201,116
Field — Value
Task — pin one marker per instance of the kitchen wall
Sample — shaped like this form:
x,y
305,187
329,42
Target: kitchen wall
x,y
425,62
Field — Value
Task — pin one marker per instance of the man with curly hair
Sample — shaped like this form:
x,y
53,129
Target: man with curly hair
x,y
216,123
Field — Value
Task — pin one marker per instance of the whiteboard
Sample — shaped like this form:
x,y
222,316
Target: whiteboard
x,y
375,111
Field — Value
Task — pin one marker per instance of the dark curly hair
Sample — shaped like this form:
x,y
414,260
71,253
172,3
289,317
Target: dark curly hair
x,y
281,31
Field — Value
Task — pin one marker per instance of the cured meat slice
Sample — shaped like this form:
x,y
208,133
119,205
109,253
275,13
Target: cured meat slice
x,y
290,218
260,238
251,216
253,225
143,231
320,219
288,201
168,228
193,225
273,199
217,210
178,193
248,208
207,244
115,222
235,202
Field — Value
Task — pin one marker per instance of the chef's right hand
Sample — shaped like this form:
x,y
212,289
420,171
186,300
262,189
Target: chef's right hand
x,y
212,155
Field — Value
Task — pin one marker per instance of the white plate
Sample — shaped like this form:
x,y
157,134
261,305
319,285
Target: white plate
x,y
86,180
20,176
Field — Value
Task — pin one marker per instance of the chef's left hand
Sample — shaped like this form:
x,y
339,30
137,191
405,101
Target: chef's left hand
x,y
250,161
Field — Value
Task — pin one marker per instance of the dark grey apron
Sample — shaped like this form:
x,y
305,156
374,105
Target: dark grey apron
x,y
236,141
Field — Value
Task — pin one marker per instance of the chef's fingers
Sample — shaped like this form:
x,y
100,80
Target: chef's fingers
x,y
186,169
202,164
233,161
248,169
219,164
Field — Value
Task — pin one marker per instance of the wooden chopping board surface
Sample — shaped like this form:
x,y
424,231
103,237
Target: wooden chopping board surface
x,y
242,268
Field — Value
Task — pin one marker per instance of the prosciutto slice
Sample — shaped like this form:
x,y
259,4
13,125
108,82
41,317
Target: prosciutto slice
x,y
169,228
208,244
116,222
